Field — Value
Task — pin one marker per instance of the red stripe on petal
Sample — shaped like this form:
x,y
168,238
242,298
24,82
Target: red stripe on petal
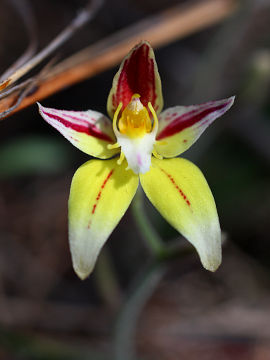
x,y
86,128
186,120
99,196
137,76
176,186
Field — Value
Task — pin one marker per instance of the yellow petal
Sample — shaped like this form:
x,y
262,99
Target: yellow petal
x,y
100,194
179,191
138,74
90,131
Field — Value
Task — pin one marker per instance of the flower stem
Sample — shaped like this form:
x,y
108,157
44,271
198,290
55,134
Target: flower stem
x,y
107,282
149,234
125,331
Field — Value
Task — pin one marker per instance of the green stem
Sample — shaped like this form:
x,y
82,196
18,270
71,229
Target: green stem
x,y
125,332
106,281
146,229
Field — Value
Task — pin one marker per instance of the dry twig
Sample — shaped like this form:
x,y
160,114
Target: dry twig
x,y
28,19
83,16
161,29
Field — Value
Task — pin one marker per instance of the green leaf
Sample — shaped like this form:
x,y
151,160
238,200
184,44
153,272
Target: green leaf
x,y
33,155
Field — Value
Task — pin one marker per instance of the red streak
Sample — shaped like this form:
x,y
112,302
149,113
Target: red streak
x,y
186,120
137,76
176,186
88,129
99,195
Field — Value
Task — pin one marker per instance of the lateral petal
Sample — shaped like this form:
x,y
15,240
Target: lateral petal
x,y
100,194
181,126
90,131
138,74
179,191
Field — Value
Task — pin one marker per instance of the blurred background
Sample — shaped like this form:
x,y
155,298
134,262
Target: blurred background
x,y
133,307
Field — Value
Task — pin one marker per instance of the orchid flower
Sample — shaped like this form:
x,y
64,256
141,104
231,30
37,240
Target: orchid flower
x,y
142,143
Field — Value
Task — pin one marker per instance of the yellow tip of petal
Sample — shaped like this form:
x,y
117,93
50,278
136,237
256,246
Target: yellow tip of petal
x,y
212,264
82,275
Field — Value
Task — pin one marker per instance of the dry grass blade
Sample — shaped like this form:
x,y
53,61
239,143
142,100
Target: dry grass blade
x,y
24,9
160,29
15,88
24,89
83,16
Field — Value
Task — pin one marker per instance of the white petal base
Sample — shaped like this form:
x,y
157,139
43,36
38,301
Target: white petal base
x,y
138,151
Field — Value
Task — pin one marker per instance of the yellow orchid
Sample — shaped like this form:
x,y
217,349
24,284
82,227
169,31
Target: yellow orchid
x,y
148,142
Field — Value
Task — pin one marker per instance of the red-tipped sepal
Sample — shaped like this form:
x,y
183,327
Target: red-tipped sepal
x,y
138,74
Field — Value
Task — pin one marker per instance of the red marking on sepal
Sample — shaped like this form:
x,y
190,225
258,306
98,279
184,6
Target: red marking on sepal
x,y
85,128
187,120
94,207
176,186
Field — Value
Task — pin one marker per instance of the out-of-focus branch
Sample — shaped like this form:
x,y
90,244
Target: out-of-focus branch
x,y
160,29
25,11
24,89
83,16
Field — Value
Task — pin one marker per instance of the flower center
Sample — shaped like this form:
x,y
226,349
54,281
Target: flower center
x,y
135,120
136,135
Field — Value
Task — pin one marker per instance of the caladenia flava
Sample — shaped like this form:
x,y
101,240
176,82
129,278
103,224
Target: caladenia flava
x,y
140,143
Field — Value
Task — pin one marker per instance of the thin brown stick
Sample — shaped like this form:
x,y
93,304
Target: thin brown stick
x,y
161,29
81,19
23,89
25,11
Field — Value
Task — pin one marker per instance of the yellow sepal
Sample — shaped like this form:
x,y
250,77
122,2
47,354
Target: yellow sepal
x,y
179,191
100,194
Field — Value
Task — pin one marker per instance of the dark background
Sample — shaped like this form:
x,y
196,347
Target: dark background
x,y
46,312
